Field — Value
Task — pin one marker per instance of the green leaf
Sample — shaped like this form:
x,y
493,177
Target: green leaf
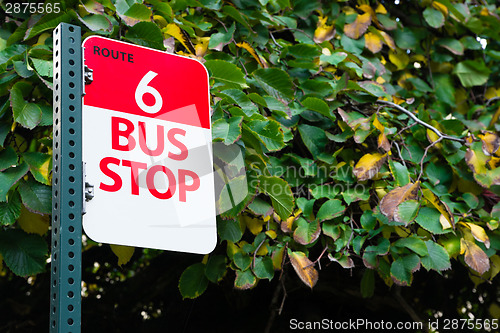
x,y
331,229
318,105
228,131
97,23
21,69
123,253
437,259
220,39
40,166
406,211
24,254
368,283
399,172
244,279
10,210
146,34
405,38
353,194
36,196
226,73
242,260
239,97
280,193
330,209
193,281
47,22
9,177
10,52
275,82
434,17
334,58
26,114
263,268
306,206
314,139
368,221
229,230
452,45
260,207
138,11
215,268
8,158
306,232
428,218
402,269
325,191
42,67
268,132
413,243
472,73
445,90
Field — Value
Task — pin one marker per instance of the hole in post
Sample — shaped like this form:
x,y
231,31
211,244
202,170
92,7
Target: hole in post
x,y
71,119
70,294
71,268
72,179
72,155
71,191
71,228
71,203
71,29
71,73
71,241
71,40
71,216
71,167
71,51
71,85
70,307
71,143
70,321
71,62
71,131
72,107
71,96
71,254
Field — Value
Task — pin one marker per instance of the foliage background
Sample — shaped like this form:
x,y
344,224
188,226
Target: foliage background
x,y
382,201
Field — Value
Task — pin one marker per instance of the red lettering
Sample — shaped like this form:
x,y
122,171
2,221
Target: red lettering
x,y
150,181
116,133
171,137
183,188
160,140
103,165
134,173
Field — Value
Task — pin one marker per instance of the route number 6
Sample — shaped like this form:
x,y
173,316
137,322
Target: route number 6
x,y
143,88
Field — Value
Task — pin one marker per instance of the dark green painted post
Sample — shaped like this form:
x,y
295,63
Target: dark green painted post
x,y
67,187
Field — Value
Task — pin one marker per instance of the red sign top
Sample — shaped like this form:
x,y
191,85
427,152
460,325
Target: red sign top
x,y
146,82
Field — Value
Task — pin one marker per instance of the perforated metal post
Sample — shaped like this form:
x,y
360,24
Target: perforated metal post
x,y
67,188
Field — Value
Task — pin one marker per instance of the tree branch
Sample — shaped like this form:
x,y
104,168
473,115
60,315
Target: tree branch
x,y
423,123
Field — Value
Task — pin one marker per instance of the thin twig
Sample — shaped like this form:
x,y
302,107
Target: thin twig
x,y
491,100
423,123
425,155
399,153
255,252
318,260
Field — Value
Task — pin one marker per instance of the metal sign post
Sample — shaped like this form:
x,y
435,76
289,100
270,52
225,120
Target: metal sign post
x,y
67,182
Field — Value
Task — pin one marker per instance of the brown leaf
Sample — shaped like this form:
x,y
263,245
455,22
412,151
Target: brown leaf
x,y
369,165
357,28
303,267
474,257
394,198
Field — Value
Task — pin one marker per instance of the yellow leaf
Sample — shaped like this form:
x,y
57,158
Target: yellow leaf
x,y
491,142
232,249
380,9
444,222
399,58
479,234
441,207
383,142
303,267
253,224
124,253
271,234
263,250
388,40
476,160
201,46
357,28
495,118
251,50
394,198
432,137
373,42
33,223
175,31
286,226
323,32
485,12
369,165
439,6
160,21
474,257
491,92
